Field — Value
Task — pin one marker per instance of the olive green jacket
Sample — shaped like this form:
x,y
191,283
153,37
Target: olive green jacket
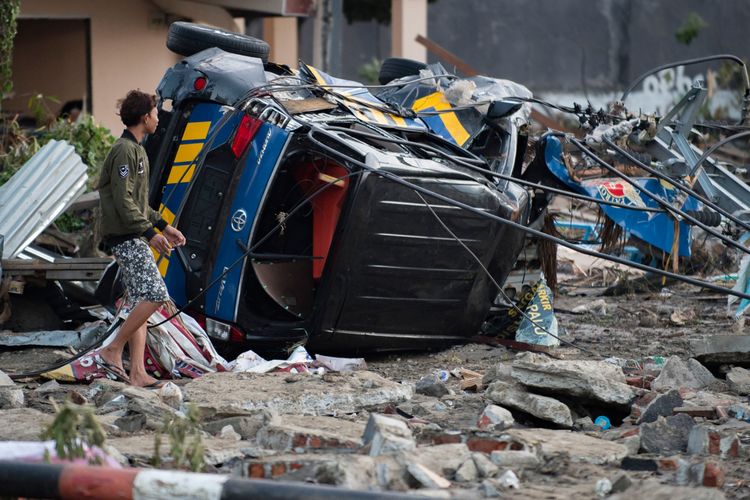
x,y
123,193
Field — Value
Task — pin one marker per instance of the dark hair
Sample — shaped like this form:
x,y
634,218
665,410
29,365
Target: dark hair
x,y
134,106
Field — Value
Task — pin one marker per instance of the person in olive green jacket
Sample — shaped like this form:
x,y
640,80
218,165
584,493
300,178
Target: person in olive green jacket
x,y
128,222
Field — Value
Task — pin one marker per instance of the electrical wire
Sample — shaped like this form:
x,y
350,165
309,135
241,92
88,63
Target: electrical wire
x,y
677,185
498,175
399,180
665,204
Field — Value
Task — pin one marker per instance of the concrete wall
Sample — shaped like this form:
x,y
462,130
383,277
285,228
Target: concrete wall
x,y
61,44
548,44
127,47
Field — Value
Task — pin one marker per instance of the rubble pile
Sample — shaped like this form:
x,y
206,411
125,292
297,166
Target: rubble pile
x,y
473,421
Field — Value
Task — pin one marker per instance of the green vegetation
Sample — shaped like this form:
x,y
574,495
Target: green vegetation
x,y
690,29
185,442
73,429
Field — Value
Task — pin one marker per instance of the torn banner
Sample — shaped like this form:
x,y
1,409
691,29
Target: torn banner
x,y
178,348
538,323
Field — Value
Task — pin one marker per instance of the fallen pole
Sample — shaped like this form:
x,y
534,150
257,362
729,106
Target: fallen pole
x,y
80,482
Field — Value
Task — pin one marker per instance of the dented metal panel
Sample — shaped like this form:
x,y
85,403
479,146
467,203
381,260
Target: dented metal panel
x,y
38,193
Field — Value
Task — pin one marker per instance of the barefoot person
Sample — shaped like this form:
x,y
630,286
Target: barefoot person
x,y
128,222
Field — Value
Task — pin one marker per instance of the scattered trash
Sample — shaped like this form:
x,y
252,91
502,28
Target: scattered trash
x,y
598,306
603,423
508,479
340,364
603,488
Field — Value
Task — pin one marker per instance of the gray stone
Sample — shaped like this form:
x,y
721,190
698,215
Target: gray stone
x,y
49,387
729,349
621,483
588,380
467,473
585,424
678,373
11,397
667,435
430,387
131,423
485,467
387,435
246,426
228,394
139,449
739,380
543,407
427,478
661,406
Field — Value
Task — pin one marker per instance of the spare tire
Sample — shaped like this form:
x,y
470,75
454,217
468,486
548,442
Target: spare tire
x,y
187,39
396,67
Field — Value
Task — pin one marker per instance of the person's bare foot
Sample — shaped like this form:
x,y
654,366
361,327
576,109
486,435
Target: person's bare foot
x,y
112,359
144,381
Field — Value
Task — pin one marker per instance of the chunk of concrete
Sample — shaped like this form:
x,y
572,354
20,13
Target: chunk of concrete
x,y
23,424
467,473
739,380
485,467
542,407
227,393
495,417
247,426
588,380
678,374
515,459
667,435
427,478
580,447
722,440
5,380
305,434
727,349
11,397
387,435
443,458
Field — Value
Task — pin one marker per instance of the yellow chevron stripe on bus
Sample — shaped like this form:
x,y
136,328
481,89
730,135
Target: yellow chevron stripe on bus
x,y
187,152
181,173
437,101
195,131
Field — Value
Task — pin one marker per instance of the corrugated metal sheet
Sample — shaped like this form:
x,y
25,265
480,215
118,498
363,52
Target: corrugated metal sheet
x,y
38,193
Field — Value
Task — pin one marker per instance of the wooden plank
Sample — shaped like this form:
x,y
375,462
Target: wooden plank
x,y
447,56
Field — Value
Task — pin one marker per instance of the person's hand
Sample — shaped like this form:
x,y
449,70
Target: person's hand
x,y
174,236
160,244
